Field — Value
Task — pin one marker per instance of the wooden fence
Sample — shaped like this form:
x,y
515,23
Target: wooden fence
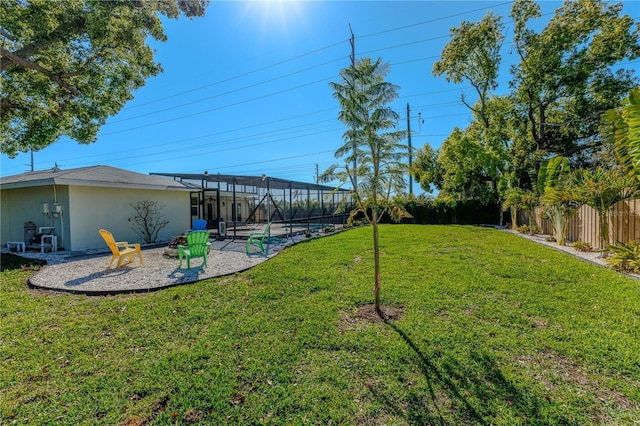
x,y
624,224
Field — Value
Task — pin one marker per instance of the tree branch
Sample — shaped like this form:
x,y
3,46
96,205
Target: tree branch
x,y
579,148
33,66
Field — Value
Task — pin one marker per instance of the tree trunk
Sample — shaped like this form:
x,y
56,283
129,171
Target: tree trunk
x,y
514,217
376,256
559,225
604,233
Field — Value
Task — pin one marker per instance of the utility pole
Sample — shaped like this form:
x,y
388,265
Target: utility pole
x,y
352,41
410,150
316,173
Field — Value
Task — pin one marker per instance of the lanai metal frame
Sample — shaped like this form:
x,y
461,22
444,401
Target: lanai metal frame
x,y
267,189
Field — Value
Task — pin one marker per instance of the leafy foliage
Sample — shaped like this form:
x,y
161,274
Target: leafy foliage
x,y
625,122
581,246
563,81
68,65
558,91
473,55
625,257
426,169
513,199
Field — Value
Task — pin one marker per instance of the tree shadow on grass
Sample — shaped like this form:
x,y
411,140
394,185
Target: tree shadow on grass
x,y
9,262
469,391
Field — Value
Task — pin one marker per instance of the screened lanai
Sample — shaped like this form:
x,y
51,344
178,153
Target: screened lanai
x,y
236,205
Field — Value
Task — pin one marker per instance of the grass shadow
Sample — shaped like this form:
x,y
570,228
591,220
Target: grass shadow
x,y
10,262
474,387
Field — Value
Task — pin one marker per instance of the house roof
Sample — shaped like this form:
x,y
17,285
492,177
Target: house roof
x,y
100,176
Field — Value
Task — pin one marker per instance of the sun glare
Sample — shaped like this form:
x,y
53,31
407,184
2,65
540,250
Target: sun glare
x,y
282,16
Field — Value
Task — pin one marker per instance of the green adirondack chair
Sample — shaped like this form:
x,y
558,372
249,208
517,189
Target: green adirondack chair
x,y
197,246
257,239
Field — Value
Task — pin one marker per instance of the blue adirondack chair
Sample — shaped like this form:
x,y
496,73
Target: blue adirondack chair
x,y
198,225
197,246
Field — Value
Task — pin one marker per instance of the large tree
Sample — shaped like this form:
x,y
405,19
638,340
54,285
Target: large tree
x,y
471,161
364,97
473,55
564,80
67,65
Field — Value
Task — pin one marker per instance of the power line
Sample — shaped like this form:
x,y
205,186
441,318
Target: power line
x,y
221,107
228,92
226,80
290,74
430,21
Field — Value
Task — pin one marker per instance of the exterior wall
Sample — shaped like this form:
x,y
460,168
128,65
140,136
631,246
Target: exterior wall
x,y
19,206
110,208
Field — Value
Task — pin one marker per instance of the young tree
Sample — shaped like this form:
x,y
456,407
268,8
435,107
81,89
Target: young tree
x,y
529,200
67,65
554,185
364,97
601,190
148,219
512,200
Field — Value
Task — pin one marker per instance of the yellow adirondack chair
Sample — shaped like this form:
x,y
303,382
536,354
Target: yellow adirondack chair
x,y
120,249
197,246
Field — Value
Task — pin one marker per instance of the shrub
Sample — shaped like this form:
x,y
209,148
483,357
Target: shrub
x,y
148,219
625,257
523,229
582,246
535,229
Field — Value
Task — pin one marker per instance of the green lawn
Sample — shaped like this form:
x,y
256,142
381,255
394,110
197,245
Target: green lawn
x,y
495,330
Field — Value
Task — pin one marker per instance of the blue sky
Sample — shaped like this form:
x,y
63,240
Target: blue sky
x,y
245,90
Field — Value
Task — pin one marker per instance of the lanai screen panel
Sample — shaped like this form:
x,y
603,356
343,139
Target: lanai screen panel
x,y
275,199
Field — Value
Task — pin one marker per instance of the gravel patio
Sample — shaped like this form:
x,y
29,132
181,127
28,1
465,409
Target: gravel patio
x,y
87,273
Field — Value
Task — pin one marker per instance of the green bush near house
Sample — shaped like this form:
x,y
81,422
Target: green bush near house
x,y
493,329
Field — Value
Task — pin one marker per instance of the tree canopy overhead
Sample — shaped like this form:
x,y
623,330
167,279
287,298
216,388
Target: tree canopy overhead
x,y
68,65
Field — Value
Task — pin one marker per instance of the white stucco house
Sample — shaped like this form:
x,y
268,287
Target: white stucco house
x,y
76,203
